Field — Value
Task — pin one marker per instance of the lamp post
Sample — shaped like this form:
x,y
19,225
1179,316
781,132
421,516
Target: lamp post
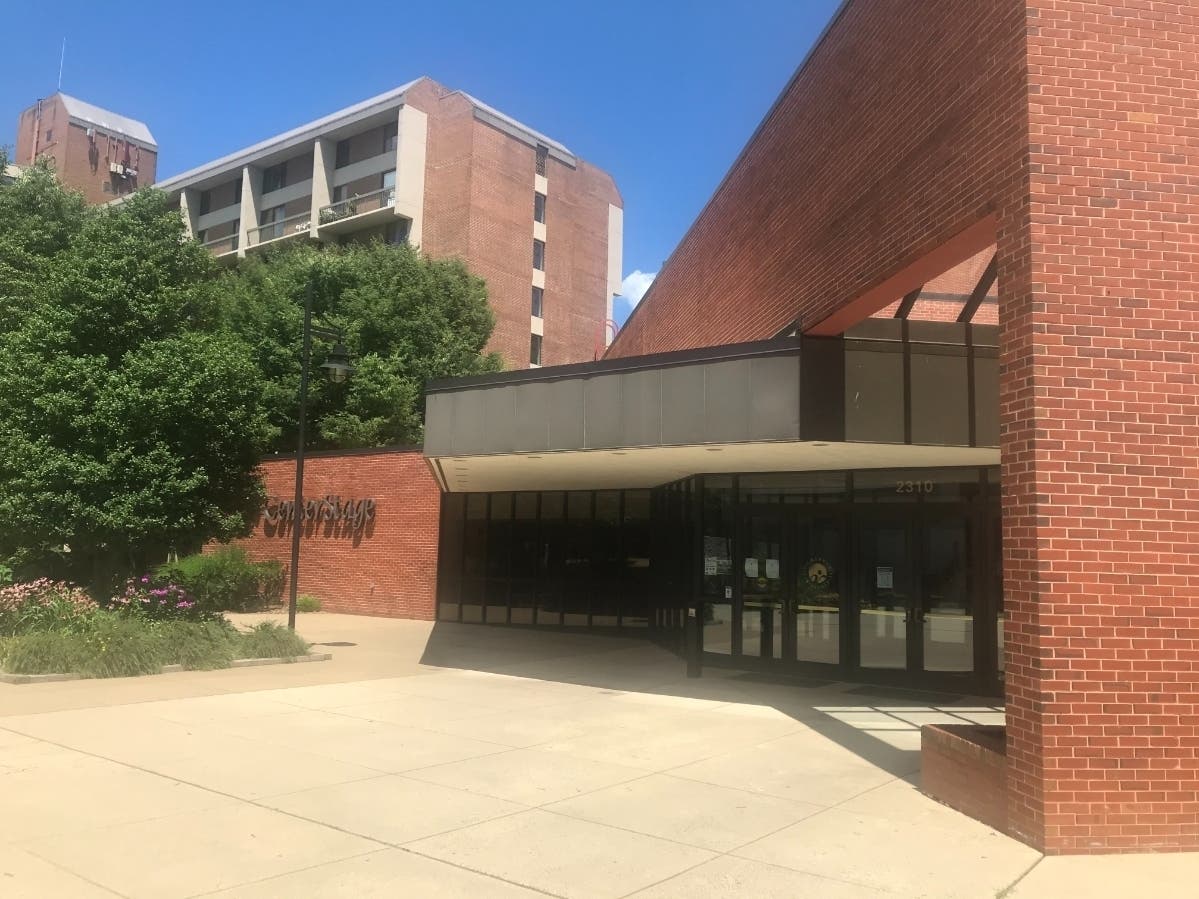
x,y
339,368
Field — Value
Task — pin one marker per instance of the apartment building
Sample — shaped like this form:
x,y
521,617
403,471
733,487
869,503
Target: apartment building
x,y
100,153
441,170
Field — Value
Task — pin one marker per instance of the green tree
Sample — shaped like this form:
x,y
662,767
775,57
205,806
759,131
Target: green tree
x,y
131,420
406,319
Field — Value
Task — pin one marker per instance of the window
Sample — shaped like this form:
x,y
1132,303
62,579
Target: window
x,y
49,135
339,193
539,255
343,154
542,154
534,349
201,236
270,222
539,208
237,192
396,233
205,201
391,135
389,188
274,177
538,301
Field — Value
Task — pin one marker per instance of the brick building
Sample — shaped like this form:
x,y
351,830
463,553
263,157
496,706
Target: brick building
x,y
444,171
915,400
102,154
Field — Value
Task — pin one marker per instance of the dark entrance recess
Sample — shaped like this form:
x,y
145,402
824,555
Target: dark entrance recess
x,y
888,576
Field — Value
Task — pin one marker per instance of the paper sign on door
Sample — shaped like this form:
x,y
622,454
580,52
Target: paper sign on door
x,y
772,568
751,567
884,578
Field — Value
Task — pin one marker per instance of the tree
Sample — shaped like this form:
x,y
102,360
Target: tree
x,y
406,318
131,420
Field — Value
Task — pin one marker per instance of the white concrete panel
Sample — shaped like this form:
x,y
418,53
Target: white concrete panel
x,y
411,145
651,466
324,154
615,249
373,165
286,194
251,205
217,216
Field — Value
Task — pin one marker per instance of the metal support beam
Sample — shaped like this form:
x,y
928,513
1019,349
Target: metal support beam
x,y
906,304
985,283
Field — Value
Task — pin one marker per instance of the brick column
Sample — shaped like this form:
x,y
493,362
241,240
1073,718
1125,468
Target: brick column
x,y
1100,400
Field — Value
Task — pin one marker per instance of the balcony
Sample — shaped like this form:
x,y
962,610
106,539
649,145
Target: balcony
x,y
221,246
299,225
358,211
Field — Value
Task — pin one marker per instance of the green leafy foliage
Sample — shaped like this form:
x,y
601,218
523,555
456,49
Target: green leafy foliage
x,y
131,421
110,644
43,605
268,640
225,580
407,319
306,602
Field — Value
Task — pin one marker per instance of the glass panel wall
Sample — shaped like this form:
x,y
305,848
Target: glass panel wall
x,y
891,571
578,558
719,582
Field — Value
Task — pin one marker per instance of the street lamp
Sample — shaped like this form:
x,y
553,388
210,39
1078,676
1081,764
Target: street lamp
x,y
339,368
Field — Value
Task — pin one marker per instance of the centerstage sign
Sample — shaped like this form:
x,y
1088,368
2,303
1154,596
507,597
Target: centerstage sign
x,y
355,513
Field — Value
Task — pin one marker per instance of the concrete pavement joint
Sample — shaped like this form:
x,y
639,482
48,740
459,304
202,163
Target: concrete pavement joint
x,y
1007,890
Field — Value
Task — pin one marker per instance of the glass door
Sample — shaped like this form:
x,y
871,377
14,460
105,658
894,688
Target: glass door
x,y
946,614
763,588
885,591
818,579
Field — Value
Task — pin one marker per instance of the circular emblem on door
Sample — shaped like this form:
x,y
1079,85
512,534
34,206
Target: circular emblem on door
x,y
819,571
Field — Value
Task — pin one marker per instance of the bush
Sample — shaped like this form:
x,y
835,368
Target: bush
x,y
43,605
199,645
41,653
271,641
225,580
117,646
158,603
120,645
306,602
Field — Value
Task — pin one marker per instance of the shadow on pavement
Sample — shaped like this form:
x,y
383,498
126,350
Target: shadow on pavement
x,y
879,724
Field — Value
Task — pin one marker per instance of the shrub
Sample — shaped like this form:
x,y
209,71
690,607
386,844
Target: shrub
x,y
199,645
226,580
119,646
43,605
306,602
53,652
168,602
271,641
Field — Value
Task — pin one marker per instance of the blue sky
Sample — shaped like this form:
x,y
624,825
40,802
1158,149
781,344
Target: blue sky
x,y
661,93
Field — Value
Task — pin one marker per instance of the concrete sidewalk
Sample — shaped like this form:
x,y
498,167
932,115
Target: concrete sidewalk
x,y
465,761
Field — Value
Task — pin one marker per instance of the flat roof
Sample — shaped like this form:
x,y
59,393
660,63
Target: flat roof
x,y
350,114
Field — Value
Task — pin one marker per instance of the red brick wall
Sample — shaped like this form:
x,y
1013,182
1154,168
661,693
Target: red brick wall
x,y
70,151
964,767
904,128
390,568
479,207
1101,417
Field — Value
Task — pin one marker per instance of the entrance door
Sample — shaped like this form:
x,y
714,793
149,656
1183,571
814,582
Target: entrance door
x,y
763,586
916,599
886,585
818,586
947,595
